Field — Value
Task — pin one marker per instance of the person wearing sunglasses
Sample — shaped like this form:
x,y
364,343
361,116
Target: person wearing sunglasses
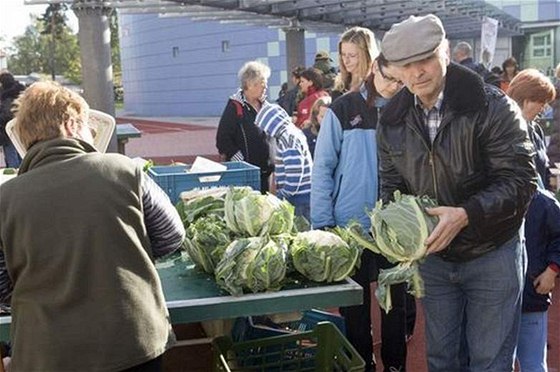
x,y
344,186
79,231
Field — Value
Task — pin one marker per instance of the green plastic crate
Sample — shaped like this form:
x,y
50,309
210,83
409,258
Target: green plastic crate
x,y
322,349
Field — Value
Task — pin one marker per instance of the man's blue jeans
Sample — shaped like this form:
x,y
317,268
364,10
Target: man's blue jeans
x,y
481,298
531,347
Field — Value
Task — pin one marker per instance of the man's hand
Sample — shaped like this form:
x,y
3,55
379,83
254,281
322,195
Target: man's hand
x,y
544,283
451,221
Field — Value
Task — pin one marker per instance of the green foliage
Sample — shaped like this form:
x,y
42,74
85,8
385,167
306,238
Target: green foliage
x,y
32,51
54,20
115,50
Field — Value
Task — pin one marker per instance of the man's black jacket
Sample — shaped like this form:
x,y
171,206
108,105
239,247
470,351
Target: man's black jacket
x,y
481,159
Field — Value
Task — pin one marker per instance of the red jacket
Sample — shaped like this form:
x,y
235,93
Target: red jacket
x,y
304,107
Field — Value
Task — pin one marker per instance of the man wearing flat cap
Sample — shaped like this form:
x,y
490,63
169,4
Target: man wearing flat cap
x,y
463,143
323,64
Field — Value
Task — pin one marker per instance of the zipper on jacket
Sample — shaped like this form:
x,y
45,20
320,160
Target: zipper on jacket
x,y
245,136
431,157
433,165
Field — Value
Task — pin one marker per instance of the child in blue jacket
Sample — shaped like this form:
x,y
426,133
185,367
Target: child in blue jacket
x,y
542,233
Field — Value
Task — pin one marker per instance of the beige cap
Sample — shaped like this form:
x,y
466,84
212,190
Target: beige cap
x,y
413,39
322,55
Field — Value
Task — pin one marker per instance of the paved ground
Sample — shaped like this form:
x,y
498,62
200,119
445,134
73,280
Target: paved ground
x,y
165,140
181,139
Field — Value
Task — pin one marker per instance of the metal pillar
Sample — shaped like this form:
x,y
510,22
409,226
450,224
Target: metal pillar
x,y
295,50
95,49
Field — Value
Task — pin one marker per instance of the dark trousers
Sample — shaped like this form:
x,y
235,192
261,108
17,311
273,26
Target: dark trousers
x,y
154,365
410,314
393,325
358,318
393,331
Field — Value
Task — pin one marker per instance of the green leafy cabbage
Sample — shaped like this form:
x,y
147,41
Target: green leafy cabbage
x,y
323,256
249,213
256,264
199,203
206,241
399,230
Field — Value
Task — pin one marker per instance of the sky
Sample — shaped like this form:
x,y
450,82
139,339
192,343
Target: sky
x,y
15,17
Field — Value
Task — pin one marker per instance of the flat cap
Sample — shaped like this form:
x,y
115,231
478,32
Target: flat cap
x,y
413,39
322,55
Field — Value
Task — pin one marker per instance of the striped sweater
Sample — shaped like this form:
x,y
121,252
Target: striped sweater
x,y
292,159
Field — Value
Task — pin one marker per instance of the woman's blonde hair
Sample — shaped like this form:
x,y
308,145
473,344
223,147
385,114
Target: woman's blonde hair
x,y
43,109
364,39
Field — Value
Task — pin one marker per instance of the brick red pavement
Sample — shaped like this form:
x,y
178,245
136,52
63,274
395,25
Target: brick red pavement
x,y
170,141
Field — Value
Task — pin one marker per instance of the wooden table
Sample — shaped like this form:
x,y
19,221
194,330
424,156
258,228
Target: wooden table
x,y
124,133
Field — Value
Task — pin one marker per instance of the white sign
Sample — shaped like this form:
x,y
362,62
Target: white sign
x,y
488,40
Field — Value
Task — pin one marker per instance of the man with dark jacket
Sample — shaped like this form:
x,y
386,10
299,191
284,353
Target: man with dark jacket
x,y
293,97
462,54
10,90
453,138
323,64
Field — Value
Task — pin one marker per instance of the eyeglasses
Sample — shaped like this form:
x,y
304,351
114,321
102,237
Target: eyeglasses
x,y
92,129
388,78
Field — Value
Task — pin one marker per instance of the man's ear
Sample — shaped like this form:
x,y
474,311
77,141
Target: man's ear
x,y
447,50
71,128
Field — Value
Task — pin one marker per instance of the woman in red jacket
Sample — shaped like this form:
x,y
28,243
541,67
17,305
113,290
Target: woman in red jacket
x,y
311,84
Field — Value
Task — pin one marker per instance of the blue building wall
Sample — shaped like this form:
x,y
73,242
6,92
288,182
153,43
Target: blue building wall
x,y
530,10
173,66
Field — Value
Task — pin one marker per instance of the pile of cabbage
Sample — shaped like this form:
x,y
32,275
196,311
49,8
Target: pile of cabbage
x,y
399,230
252,242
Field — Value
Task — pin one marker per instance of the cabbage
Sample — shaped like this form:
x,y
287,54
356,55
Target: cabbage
x,y
233,195
206,240
255,264
399,230
323,256
249,213
199,203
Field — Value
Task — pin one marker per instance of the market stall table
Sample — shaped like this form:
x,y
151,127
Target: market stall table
x,y
124,132
193,296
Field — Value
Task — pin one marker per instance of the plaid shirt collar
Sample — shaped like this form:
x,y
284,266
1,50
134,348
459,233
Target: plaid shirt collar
x,y
437,105
432,117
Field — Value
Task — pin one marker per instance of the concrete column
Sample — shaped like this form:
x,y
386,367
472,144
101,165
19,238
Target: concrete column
x,y
95,48
295,50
